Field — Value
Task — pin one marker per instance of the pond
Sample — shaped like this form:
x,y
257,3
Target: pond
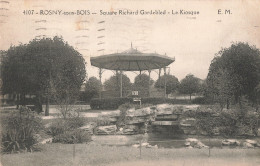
x,y
160,140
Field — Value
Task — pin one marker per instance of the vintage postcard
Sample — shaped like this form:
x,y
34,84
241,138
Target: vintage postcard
x,y
129,82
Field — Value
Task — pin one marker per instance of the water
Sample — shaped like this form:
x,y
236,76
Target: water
x,y
161,140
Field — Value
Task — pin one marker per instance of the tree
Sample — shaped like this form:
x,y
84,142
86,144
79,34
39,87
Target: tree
x,y
113,83
92,88
189,85
234,73
47,68
172,83
142,83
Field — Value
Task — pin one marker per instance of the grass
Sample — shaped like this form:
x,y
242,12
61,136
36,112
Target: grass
x,y
94,154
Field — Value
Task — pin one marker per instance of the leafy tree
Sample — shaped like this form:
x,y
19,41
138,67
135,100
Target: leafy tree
x,y
234,73
190,85
172,83
113,83
47,68
92,88
141,83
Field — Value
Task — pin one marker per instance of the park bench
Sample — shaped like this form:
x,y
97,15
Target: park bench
x,y
136,97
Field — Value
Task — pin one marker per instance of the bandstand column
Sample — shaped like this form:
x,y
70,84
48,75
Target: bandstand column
x,y
159,76
164,82
149,93
121,84
100,77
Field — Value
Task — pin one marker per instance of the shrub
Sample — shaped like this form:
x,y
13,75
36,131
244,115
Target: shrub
x,y
67,131
19,130
231,122
201,100
60,126
73,136
122,118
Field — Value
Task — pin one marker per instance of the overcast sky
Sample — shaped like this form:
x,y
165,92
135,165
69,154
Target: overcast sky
x,y
192,39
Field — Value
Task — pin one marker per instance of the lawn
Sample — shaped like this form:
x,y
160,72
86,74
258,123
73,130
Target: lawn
x,y
95,154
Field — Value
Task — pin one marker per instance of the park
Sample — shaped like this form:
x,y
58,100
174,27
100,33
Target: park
x,y
93,83
44,109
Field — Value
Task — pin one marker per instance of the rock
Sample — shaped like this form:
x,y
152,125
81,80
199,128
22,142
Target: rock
x,y
130,129
136,120
107,118
145,144
192,140
248,145
190,108
136,145
258,132
144,128
160,129
230,142
164,109
167,117
189,130
115,113
252,142
187,143
188,122
215,115
177,110
194,143
105,130
165,123
139,112
149,146
47,140
89,127
200,145
37,137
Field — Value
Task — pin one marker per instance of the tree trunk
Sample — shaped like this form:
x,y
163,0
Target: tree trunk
x,y
38,103
190,97
47,103
47,106
227,104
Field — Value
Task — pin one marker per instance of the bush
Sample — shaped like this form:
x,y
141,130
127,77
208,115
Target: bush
x,y
201,100
73,136
231,122
67,131
122,118
60,126
19,130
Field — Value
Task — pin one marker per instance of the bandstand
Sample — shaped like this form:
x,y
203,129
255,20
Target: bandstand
x,y
132,60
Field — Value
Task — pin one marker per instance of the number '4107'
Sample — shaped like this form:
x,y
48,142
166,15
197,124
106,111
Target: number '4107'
x,y
28,12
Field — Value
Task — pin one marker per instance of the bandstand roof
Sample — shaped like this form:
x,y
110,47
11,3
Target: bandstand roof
x,y
131,60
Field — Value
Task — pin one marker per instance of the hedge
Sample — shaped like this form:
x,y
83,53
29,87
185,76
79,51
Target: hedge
x,y
114,103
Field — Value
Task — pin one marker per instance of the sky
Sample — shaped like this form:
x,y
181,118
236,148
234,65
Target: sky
x,y
193,40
